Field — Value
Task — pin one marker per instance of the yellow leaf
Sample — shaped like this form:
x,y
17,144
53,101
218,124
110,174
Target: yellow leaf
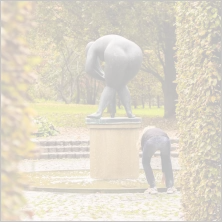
x,y
213,98
5,78
4,178
208,52
35,60
31,111
205,130
210,210
27,68
22,87
19,18
202,32
210,64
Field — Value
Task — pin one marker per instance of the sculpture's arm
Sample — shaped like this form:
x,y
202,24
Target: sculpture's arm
x,y
99,70
93,67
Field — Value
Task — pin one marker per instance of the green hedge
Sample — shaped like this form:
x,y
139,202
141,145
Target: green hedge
x,y
198,110
16,115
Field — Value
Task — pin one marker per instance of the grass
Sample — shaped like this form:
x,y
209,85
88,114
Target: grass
x,y
61,108
144,112
44,108
73,115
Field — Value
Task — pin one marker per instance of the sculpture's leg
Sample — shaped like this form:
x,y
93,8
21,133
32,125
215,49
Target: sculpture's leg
x,y
106,97
113,106
124,96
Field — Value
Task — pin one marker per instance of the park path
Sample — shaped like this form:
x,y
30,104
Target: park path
x,y
49,206
78,164
55,206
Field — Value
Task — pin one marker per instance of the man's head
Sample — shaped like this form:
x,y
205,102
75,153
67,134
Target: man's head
x,y
138,144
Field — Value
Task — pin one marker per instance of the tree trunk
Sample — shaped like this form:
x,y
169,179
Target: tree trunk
x,y
169,100
158,101
58,97
169,88
170,97
149,102
135,103
149,98
63,97
143,103
77,91
119,103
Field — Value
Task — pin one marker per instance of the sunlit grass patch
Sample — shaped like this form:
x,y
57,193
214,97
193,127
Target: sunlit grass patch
x,y
74,115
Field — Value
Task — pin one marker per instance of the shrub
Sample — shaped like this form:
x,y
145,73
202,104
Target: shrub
x,y
16,115
45,128
198,110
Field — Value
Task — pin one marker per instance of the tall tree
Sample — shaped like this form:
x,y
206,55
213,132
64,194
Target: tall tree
x,y
156,23
148,24
61,69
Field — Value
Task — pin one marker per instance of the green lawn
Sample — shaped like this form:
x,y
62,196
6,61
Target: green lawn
x,y
73,115
144,112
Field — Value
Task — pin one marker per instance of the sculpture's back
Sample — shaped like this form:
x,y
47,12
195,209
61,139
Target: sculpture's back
x,y
122,62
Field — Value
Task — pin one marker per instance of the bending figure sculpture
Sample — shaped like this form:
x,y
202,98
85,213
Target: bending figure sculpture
x,y
122,59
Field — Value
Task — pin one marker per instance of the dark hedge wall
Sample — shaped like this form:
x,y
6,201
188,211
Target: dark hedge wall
x,y
199,107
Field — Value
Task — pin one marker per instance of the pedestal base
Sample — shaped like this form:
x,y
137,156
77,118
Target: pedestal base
x,y
113,150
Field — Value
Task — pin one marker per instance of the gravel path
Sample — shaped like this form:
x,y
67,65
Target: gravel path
x,y
49,206
103,207
77,164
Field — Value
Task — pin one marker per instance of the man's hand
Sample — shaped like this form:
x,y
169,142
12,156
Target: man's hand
x,y
163,179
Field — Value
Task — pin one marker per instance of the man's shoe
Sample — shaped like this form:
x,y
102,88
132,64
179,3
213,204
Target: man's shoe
x,y
152,190
171,190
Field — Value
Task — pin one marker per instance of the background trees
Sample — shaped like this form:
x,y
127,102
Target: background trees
x,y
64,29
145,90
62,66
158,37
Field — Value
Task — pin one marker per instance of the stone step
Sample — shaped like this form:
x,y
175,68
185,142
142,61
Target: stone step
x,y
157,153
75,142
75,155
174,146
61,143
63,155
50,149
60,149
174,140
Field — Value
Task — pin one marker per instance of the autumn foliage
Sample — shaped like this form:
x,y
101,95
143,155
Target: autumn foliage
x,y
16,115
199,108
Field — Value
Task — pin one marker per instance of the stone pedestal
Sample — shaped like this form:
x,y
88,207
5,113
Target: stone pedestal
x,y
113,150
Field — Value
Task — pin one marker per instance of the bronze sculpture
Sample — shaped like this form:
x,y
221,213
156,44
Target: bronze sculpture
x,y
122,59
